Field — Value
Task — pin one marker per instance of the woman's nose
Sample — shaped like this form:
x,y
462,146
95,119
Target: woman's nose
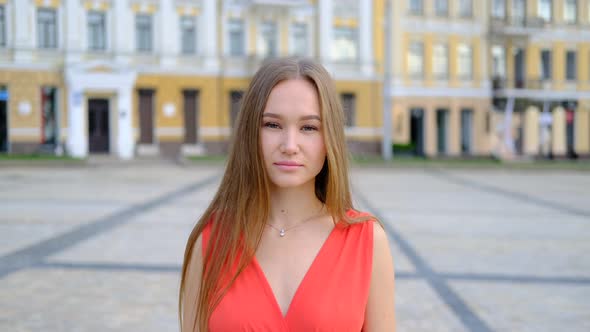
x,y
290,143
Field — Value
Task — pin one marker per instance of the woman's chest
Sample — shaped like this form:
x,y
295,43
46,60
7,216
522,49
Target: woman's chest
x,y
330,303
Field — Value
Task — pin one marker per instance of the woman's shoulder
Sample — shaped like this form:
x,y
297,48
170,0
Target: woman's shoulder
x,y
357,217
362,220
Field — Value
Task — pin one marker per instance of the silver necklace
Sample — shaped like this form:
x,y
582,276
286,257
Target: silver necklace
x,y
283,231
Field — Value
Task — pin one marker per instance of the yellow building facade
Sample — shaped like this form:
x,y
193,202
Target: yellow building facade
x,y
540,56
145,77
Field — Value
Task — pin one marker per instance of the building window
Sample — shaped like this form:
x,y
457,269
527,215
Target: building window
x,y
545,10
188,34
498,61
416,7
47,27
143,32
519,66
236,37
570,11
96,31
348,101
465,8
345,44
441,61
546,65
416,59
267,41
465,53
499,8
2,27
441,8
518,11
570,65
299,38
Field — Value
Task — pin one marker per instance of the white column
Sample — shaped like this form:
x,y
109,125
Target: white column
x,y
326,21
124,38
366,37
77,143
170,27
73,37
208,34
23,34
125,144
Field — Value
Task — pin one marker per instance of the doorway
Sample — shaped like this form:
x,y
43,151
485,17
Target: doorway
x,y
417,130
98,125
3,120
49,117
441,130
191,116
466,131
235,99
146,116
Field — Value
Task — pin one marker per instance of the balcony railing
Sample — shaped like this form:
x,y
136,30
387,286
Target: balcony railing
x,y
500,83
279,3
517,25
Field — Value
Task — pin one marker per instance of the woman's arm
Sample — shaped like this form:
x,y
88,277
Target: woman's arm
x,y
380,313
191,288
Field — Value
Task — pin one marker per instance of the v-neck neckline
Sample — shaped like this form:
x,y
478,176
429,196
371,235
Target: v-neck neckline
x,y
268,289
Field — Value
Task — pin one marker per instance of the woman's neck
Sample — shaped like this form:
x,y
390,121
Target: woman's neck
x,y
291,206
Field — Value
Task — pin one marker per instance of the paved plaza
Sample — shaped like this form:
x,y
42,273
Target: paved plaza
x,y
99,248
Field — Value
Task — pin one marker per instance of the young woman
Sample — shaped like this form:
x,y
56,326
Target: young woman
x,y
280,247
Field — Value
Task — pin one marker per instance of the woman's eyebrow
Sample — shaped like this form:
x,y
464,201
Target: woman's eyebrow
x,y
306,117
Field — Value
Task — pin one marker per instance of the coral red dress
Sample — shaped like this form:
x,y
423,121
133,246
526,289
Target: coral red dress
x,y
331,297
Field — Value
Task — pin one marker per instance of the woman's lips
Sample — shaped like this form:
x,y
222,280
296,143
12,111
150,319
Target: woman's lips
x,y
288,165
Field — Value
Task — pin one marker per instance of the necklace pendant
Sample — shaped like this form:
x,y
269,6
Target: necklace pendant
x,y
282,232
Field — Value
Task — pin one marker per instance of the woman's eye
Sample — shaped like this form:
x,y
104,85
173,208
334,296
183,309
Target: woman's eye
x,y
271,125
309,128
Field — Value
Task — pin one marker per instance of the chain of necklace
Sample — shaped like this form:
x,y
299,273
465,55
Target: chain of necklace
x,y
283,231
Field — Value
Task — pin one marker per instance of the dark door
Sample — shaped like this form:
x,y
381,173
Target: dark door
x,y
3,120
417,130
348,101
146,116
441,131
98,125
191,118
466,131
569,132
235,98
49,116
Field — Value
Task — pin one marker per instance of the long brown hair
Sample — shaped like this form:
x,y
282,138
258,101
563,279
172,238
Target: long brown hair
x,y
240,208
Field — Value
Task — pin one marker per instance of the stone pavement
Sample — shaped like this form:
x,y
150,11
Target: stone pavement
x,y
100,248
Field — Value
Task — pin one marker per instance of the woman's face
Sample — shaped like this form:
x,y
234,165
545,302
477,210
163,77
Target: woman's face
x,y
291,134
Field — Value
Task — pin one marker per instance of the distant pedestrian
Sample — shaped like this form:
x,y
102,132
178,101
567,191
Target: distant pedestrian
x,y
280,247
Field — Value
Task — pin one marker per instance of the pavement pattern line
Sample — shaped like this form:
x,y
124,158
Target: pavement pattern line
x,y
438,283
526,198
35,254
489,277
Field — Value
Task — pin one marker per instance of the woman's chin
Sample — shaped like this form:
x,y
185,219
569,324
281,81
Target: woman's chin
x,y
291,183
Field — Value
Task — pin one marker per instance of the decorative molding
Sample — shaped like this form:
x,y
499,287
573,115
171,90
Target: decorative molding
x,y
214,131
416,25
169,131
465,92
543,94
363,131
24,131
